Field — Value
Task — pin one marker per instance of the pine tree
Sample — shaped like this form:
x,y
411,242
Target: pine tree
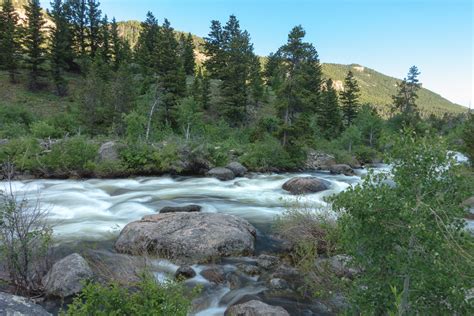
x,y
187,53
34,43
205,97
94,25
61,51
117,49
105,49
405,100
77,12
145,49
232,60
329,117
9,40
214,49
172,78
300,90
350,98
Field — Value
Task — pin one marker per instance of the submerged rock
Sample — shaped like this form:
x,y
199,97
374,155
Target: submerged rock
x,y
186,209
188,237
66,276
255,308
267,262
222,174
12,305
342,169
302,185
237,169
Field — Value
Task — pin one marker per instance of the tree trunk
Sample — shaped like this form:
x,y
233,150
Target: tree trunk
x,y
152,110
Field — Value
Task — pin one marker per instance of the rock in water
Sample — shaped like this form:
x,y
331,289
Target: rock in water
x,y
342,169
222,174
186,209
255,308
302,185
64,278
237,169
12,305
188,237
185,272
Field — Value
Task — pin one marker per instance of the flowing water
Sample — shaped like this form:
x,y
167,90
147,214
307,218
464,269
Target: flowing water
x,y
97,209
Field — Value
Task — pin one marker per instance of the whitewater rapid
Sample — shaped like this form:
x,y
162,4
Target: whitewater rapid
x,y
97,209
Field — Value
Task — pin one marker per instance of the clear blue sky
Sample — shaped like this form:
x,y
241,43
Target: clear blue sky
x,y
387,35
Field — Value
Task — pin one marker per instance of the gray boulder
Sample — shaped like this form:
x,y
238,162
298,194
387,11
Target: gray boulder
x,y
317,160
339,265
267,262
255,308
186,209
222,174
12,305
342,169
237,169
109,266
302,185
109,151
188,237
185,272
64,278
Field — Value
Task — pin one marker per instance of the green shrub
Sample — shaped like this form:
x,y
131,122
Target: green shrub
x,y
13,130
75,154
365,154
266,154
22,152
139,156
148,298
41,129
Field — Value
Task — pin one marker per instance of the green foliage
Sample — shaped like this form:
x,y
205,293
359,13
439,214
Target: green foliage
x,y
73,155
410,235
468,137
148,298
9,40
350,98
34,43
267,154
41,129
21,152
147,158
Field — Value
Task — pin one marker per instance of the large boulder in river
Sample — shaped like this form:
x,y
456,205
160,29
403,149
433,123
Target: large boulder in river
x,y
12,305
186,209
255,308
342,169
302,185
237,168
188,237
317,160
220,173
66,276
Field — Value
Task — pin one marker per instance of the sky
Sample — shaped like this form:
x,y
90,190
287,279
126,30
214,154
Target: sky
x,y
386,35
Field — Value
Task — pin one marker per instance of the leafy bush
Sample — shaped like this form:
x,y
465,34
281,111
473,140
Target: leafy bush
x,y
366,154
22,152
41,129
267,154
71,155
148,298
410,236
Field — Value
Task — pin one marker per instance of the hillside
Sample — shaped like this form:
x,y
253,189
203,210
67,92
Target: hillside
x,y
377,88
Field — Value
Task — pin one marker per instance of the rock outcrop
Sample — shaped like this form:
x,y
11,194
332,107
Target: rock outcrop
x,y
66,276
342,169
12,305
186,209
237,169
302,185
317,160
255,308
222,174
188,237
